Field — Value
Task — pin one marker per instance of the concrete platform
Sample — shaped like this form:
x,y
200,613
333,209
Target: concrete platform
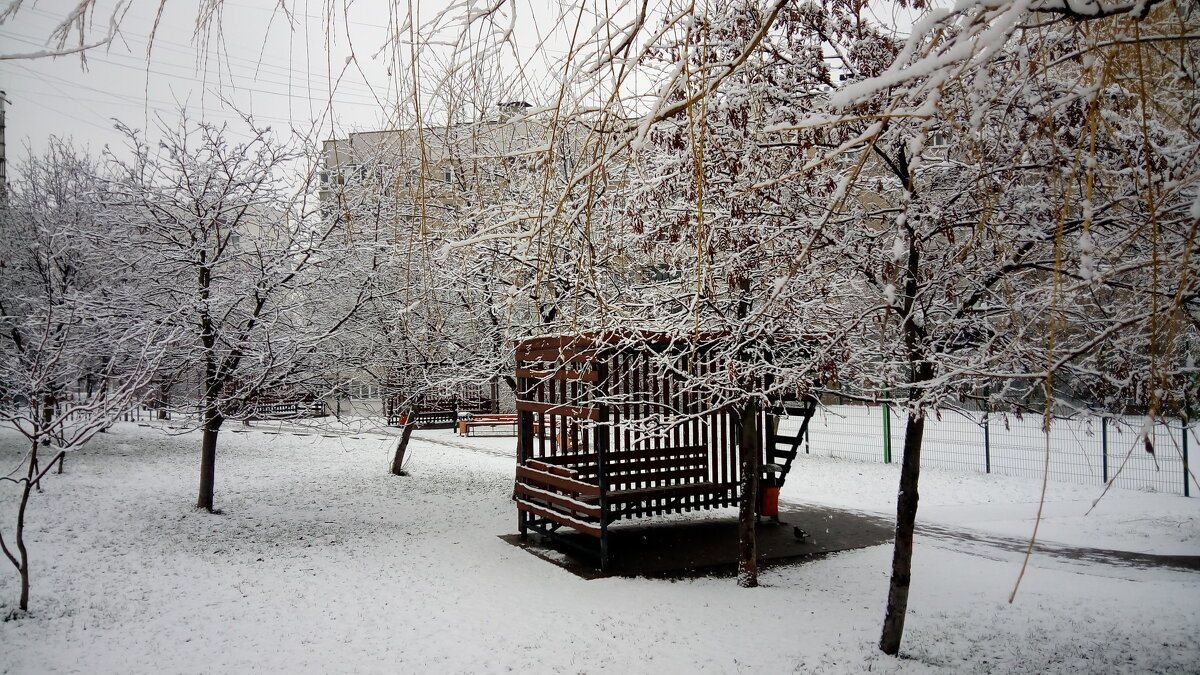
x,y
704,544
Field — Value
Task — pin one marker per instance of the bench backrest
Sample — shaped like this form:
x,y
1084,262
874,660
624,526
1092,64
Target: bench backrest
x,y
629,469
475,417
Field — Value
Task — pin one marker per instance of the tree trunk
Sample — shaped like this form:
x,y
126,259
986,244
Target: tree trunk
x,y
906,520
23,552
410,423
208,459
915,338
749,456
48,404
162,401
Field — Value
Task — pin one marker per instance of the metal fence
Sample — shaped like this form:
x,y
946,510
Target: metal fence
x,y
136,412
1091,450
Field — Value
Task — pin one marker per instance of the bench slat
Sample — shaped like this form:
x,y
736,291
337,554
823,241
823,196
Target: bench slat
x,y
579,412
657,477
562,501
560,518
559,374
591,472
558,482
550,468
622,455
556,356
662,492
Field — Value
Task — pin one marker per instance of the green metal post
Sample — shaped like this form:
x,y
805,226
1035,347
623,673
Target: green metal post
x,y
887,432
987,431
1104,446
1187,490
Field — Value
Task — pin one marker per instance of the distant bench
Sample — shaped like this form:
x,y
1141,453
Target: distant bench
x,y
286,410
467,423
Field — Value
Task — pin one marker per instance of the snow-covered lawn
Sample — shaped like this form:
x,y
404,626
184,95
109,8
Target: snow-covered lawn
x,y
323,562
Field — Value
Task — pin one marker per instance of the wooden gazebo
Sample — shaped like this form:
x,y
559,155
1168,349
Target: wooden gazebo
x,y
606,433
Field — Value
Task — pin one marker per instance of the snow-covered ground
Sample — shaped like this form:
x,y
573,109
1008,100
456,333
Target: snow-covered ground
x,y
323,562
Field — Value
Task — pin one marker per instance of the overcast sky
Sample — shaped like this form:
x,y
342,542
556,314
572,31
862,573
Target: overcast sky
x,y
284,74
285,69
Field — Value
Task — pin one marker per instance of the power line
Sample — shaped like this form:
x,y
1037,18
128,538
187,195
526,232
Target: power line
x,y
193,51
368,98
141,101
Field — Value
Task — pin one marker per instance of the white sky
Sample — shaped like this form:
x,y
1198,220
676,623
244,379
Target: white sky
x,y
285,75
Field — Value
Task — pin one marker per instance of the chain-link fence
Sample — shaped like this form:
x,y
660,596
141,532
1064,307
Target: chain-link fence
x,y
1091,450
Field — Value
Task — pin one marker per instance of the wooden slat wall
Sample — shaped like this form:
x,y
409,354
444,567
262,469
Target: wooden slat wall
x,y
557,378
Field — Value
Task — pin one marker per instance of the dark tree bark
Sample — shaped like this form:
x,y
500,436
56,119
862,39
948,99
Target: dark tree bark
x,y
20,534
48,404
906,519
213,385
748,509
208,459
915,337
20,559
410,423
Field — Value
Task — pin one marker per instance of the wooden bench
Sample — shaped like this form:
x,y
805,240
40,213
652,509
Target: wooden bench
x,y
284,410
491,421
555,493
565,490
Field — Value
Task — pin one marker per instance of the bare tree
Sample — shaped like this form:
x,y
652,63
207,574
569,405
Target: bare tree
x,y
940,267
710,230
419,211
74,352
227,253
1006,194
984,176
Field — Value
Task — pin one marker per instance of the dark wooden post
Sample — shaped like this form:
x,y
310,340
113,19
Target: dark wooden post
x,y
749,451
524,442
600,438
